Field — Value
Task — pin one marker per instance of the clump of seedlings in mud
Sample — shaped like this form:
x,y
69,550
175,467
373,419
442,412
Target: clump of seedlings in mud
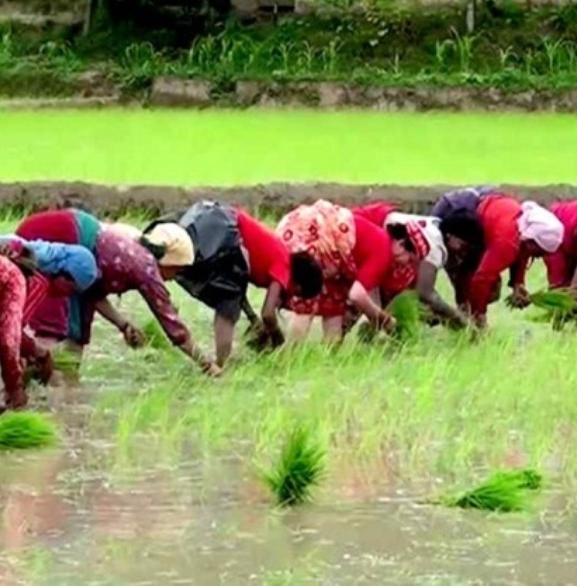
x,y
155,337
504,492
406,309
408,313
299,469
65,361
21,430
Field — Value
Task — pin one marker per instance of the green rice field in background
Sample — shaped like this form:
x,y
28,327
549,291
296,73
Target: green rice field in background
x,y
219,147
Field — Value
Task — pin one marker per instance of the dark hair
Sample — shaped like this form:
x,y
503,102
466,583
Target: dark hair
x,y
307,274
23,258
157,250
399,232
464,225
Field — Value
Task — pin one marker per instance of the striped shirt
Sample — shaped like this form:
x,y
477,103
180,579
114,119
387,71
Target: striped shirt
x,y
37,291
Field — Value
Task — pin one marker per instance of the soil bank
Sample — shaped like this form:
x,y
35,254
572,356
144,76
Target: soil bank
x,y
274,198
90,90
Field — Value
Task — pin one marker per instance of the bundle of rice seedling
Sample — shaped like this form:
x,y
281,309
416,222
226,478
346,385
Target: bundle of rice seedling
x,y
559,305
155,336
556,300
20,430
406,309
505,492
299,469
65,361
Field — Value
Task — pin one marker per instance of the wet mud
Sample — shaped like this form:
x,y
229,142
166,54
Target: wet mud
x,y
273,198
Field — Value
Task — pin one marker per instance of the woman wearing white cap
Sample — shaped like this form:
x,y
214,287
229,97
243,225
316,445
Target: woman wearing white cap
x,y
219,250
511,234
125,266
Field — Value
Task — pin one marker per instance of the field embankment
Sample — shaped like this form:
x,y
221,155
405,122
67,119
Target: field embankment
x,y
274,198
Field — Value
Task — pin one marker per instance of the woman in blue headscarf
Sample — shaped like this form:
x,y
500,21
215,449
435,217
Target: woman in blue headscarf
x,y
71,268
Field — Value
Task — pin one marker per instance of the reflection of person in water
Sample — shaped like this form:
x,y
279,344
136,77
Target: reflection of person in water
x,y
32,510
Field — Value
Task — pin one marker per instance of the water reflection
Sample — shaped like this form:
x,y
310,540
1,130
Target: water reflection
x,y
64,522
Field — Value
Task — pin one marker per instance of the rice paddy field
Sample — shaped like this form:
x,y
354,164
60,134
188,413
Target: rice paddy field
x,y
160,476
252,146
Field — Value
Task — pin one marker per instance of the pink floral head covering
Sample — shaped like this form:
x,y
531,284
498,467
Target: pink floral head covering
x,y
327,232
539,224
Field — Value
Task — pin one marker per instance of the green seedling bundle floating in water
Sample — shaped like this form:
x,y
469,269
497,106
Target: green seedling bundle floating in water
x,y
505,492
299,469
20,430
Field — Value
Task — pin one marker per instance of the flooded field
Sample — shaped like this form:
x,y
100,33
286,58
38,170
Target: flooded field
x,y
158,478
223,148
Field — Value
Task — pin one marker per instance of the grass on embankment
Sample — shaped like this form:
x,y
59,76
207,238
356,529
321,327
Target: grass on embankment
x,y
247,147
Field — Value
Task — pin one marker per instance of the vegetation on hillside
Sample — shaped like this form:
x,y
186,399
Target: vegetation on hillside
x,y
512,47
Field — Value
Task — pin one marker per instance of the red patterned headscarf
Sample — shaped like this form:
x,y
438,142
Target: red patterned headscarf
x,y
404,276
417,237
327,232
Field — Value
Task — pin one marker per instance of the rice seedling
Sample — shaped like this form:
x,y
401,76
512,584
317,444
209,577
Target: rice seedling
x,y
299,469
558,300
405,308
559,306
65,361
155,336
20,430
505,492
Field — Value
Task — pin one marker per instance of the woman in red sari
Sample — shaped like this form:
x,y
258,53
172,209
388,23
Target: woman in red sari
x,y
562,264
57,317
513,233
22,289
356,257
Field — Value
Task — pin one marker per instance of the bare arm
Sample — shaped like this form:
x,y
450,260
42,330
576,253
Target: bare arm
x,y
154,292
361,298
427,294
110,314
271,304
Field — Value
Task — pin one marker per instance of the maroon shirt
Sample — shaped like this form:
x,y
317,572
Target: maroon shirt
x,y
128,266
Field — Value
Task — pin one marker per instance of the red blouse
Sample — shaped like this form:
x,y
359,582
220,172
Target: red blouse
x,y
561,264
373,253
268,257
376,213
498,215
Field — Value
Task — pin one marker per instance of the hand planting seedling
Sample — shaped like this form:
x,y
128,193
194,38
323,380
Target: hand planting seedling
x,y
299,469
261,339
504,492
559,306
406,309
21,430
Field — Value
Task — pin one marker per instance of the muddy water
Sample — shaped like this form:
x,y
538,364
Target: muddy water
x,y
67,521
